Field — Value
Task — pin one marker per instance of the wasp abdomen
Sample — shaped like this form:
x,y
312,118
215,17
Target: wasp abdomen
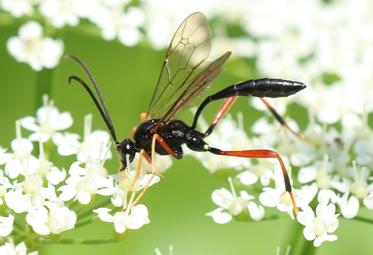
x,y
268,88
260,88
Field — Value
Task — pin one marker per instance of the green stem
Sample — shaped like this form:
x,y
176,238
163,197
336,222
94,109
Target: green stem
x,y
307,248
362,219
294,237
89,211
298,244
43,86
85,222
77,241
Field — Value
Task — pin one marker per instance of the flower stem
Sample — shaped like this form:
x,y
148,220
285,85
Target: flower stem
x,y
89,211
363,219
294,237
307,247
43,86
85,222
77,241
298,244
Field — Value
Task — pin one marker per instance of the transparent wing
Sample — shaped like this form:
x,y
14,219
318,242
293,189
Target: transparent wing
x,y
200,83
189,48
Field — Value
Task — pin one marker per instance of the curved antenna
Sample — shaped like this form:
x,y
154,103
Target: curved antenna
x,y
101,107
94,99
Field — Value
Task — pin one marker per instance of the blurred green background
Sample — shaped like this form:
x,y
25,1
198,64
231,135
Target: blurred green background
x,y
177,205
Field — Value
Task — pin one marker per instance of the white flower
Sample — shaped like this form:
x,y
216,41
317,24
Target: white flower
x,y
124,25
6,225
360,188
262,171
320,172
95,146
349,206
276,197
320,226
10,249
17,201
53,219
85,182
232,205
20,161
49,121
60,13
18,8
134,218
32,48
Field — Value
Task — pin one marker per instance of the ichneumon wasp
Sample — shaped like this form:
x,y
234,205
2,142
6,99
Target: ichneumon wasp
x,y
184,76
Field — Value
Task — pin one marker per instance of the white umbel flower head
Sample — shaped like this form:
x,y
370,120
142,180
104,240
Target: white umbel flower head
x,y
230,204
95,146
32,48
83,183
134,218
53,219
49,120
320,226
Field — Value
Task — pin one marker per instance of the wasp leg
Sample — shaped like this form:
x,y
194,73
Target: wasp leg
x,y
280,119
156,139
260,154
228,102
143,153
257,88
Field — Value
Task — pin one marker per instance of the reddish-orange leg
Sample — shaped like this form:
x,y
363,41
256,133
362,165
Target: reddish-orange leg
x,y
261,154
279,118
228,102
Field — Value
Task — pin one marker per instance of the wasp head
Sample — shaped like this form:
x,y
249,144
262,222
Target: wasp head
x,y
127,150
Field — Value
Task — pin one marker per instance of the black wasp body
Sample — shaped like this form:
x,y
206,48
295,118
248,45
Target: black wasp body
x,y
176,133
184,76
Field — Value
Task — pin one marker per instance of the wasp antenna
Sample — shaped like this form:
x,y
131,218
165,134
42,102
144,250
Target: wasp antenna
x,y
94,99
94,83
105,112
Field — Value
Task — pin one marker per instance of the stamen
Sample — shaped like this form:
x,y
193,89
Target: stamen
x,y
232,187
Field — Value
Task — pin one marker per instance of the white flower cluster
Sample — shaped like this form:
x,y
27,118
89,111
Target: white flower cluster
x,y
317,47
333,170
34,47
327,47
48,195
